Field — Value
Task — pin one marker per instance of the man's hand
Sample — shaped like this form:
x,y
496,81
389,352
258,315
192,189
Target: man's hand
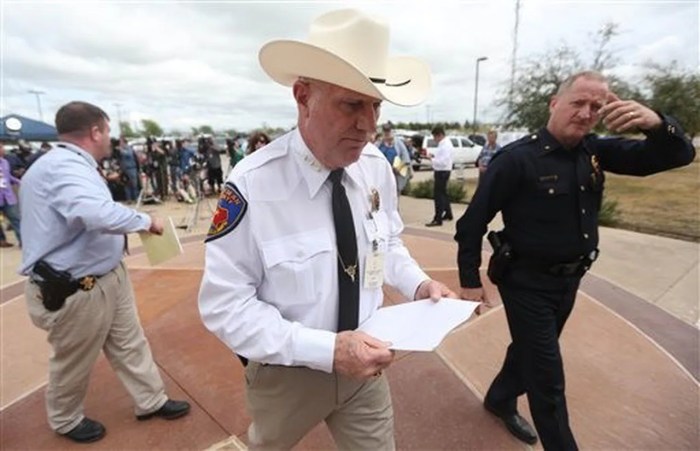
x,y
156,226
360,356
622,115
434,290
478,295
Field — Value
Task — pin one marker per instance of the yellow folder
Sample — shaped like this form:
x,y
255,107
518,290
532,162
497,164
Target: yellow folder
x,y
400,166
160,248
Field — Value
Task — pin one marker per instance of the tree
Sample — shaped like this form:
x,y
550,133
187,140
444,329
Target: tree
x,y
537,83
203,130
151,128
676,92
603,57
126,130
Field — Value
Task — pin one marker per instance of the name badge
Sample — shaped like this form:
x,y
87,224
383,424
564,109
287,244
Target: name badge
x,y
374,270
371,228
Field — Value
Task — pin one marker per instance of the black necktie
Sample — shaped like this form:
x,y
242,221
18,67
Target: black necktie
x,y
348,267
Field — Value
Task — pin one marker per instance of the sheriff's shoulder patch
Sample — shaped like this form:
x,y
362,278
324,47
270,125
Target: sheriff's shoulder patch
x,y
229,212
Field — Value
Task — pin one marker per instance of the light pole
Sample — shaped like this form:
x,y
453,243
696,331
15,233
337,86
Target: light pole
x,y
119,117
38,93
476,89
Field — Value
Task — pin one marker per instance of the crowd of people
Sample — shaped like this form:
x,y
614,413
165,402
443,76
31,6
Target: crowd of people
x,y
162,169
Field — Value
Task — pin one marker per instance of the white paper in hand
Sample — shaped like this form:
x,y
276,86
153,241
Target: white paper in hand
x,y
418,325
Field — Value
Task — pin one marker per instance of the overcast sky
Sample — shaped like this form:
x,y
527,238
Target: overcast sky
x,y
187,64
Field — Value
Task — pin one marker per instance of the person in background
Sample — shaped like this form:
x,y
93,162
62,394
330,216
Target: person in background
x,y
442,167
548,187
45,147
256,141
234,151
8,199
79,289
19,159
488,151
305,235
397,155
215,173
129,164
174,166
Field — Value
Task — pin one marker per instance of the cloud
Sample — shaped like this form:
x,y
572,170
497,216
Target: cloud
x,y
190,64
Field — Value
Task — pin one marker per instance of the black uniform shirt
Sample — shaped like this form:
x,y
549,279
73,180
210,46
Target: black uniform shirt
x,y
550,196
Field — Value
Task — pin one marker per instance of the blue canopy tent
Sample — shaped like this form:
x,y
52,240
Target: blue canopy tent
x,y
14,127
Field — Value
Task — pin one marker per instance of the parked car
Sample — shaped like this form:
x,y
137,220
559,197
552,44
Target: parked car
x,y
465,152
478,139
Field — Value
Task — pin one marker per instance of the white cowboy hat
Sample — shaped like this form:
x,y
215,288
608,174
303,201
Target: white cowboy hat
x,y
349,49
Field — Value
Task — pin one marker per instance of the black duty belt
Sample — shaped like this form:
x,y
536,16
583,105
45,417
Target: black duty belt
x,y
575,267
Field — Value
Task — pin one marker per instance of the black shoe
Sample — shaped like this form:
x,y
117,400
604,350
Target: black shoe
x,y
516,425
86,431
447,218
170,411
434,223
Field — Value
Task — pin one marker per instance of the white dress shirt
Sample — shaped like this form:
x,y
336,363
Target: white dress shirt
x,y
270,285
442,160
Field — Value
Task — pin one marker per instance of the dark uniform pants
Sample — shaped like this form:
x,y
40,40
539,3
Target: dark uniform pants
x,y
442,200
533,362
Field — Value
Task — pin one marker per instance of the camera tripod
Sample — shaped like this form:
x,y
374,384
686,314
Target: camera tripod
x,y
195,210
147,192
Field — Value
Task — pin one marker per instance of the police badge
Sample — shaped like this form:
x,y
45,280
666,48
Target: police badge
x,y
595,163
374,200
596,168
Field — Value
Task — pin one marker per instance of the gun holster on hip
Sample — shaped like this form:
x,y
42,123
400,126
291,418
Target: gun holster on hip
x,y
501,259
55,287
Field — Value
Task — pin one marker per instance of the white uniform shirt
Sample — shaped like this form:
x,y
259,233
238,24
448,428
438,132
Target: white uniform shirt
x,y
270,285
442,160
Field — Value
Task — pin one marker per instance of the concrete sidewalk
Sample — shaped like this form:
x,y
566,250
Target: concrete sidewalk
x,y
616,375
632,368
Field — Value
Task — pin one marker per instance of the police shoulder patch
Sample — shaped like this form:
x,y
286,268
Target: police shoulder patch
x,y
229,212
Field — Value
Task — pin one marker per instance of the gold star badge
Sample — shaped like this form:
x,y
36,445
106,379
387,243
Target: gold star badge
x,y
595,163
87,283
374,200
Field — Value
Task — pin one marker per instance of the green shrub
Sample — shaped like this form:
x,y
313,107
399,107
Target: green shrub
x,y
609,214
456,191
406,191
422,190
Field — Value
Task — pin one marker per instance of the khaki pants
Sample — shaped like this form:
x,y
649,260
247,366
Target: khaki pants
x,y
103,318
287,402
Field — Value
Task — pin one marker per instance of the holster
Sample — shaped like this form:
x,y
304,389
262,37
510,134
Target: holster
x,y
501,259
55,287
54,294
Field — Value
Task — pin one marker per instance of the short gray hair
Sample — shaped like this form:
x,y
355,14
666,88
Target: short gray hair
x,y
589,74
